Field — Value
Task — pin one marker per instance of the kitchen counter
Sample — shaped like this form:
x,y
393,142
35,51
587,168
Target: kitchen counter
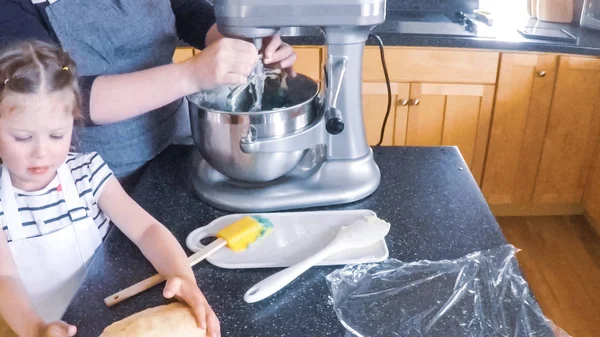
x,y
427,194
435,29
503,35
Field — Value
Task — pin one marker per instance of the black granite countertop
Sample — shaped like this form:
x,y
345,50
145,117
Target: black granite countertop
x,y
502,35
427,194
433,29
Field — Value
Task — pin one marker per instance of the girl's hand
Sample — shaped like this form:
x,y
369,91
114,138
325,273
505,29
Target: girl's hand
x,y
279,54
186,290
224,62
57,329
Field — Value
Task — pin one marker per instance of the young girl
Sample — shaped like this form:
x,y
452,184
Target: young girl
x,y
55,205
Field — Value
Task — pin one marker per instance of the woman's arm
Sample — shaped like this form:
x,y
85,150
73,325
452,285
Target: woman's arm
x,y
118,97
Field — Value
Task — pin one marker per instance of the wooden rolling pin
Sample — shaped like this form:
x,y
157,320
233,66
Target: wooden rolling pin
x,y
237,236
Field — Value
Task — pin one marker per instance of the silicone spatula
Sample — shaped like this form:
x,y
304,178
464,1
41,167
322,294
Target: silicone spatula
x,y
364,232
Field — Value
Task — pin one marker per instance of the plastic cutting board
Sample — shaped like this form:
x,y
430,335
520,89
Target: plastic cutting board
x,y
295,236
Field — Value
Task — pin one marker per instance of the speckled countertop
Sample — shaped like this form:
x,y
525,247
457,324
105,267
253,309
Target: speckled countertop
x,y
432,29
503,35
427,194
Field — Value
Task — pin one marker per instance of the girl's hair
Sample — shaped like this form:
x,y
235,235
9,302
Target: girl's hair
x,y
36,67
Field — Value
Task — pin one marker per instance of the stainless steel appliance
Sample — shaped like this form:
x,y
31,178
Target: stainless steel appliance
x,y
590,15
312,152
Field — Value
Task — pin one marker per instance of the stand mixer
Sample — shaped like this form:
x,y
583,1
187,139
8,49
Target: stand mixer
x,y
313,153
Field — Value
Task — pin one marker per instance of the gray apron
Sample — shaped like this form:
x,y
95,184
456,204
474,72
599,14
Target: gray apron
x,y
107,37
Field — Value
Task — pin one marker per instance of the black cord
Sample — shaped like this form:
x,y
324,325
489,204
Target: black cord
x,y
387,82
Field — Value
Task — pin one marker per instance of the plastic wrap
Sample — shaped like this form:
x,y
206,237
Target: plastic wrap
x,y
481,294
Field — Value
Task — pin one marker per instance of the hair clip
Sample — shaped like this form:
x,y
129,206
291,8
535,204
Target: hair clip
x,y
6,81
65,68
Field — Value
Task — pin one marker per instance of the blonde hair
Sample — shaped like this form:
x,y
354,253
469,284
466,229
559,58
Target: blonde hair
x,y
36,67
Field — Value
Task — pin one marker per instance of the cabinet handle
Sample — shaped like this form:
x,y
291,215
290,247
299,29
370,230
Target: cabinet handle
x,y
541,73
403,102
415,102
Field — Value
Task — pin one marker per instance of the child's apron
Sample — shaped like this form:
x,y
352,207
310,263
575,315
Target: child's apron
x,y
52,265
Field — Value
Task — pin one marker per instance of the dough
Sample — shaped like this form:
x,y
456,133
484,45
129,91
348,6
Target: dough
x,y
172,320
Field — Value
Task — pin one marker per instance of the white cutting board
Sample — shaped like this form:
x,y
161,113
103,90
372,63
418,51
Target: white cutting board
x,y
295,236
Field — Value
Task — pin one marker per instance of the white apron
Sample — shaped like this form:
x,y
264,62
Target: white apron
x,y
51,266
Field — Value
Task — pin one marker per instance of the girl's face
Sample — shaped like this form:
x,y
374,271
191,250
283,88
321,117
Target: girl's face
x,y
35,136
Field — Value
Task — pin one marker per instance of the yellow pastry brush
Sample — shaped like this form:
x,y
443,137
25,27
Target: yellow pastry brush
x,y
237,237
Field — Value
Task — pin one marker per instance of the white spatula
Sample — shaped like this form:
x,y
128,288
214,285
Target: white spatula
x,y
364,232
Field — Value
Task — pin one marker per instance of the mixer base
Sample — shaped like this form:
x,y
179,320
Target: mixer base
x,y
332,182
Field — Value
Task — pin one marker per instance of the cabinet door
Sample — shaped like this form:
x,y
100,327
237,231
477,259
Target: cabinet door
x,y
431,65
375,101
308,61
572,134
182,54
525,87
452,114
591,198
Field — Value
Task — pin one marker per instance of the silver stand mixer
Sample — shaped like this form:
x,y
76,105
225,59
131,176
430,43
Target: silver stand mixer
x,y
306,155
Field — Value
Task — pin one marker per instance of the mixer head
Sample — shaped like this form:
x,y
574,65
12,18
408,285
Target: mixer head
x,y
261,18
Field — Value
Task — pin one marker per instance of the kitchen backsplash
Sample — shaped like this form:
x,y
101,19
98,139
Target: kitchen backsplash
x,y
434,5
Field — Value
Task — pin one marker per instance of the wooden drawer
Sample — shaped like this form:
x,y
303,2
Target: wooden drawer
x,y
309,61
182,53
431,65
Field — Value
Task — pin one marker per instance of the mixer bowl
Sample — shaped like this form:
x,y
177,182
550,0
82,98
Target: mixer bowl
x,y
217,133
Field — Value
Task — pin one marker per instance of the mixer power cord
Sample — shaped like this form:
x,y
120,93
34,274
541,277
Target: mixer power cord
x,y
387,82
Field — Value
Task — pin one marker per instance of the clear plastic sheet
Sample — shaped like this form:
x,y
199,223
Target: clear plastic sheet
x,y
481,294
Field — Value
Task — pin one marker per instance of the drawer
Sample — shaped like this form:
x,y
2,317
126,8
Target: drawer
x,y
431,65
182,53
309,61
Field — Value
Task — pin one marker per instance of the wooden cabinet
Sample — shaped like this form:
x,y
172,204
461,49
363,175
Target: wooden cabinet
x,y
452,114
572,133
544,134
375,101
591,198
308,61
430,65
437,106
183,53
432,114
525,87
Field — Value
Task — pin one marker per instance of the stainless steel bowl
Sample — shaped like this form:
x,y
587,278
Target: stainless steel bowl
x,y
217,133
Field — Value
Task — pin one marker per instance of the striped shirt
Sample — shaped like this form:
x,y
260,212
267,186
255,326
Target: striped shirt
x,y
90,174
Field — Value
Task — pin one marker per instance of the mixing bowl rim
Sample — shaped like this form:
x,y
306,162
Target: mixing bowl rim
x,y
255,113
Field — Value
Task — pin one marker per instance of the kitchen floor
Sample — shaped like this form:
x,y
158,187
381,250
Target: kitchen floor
x,y
560,258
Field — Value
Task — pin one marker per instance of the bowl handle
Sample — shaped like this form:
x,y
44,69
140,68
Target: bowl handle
x,y
313,134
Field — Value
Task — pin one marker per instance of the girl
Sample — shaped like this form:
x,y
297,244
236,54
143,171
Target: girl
x,y
55,205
